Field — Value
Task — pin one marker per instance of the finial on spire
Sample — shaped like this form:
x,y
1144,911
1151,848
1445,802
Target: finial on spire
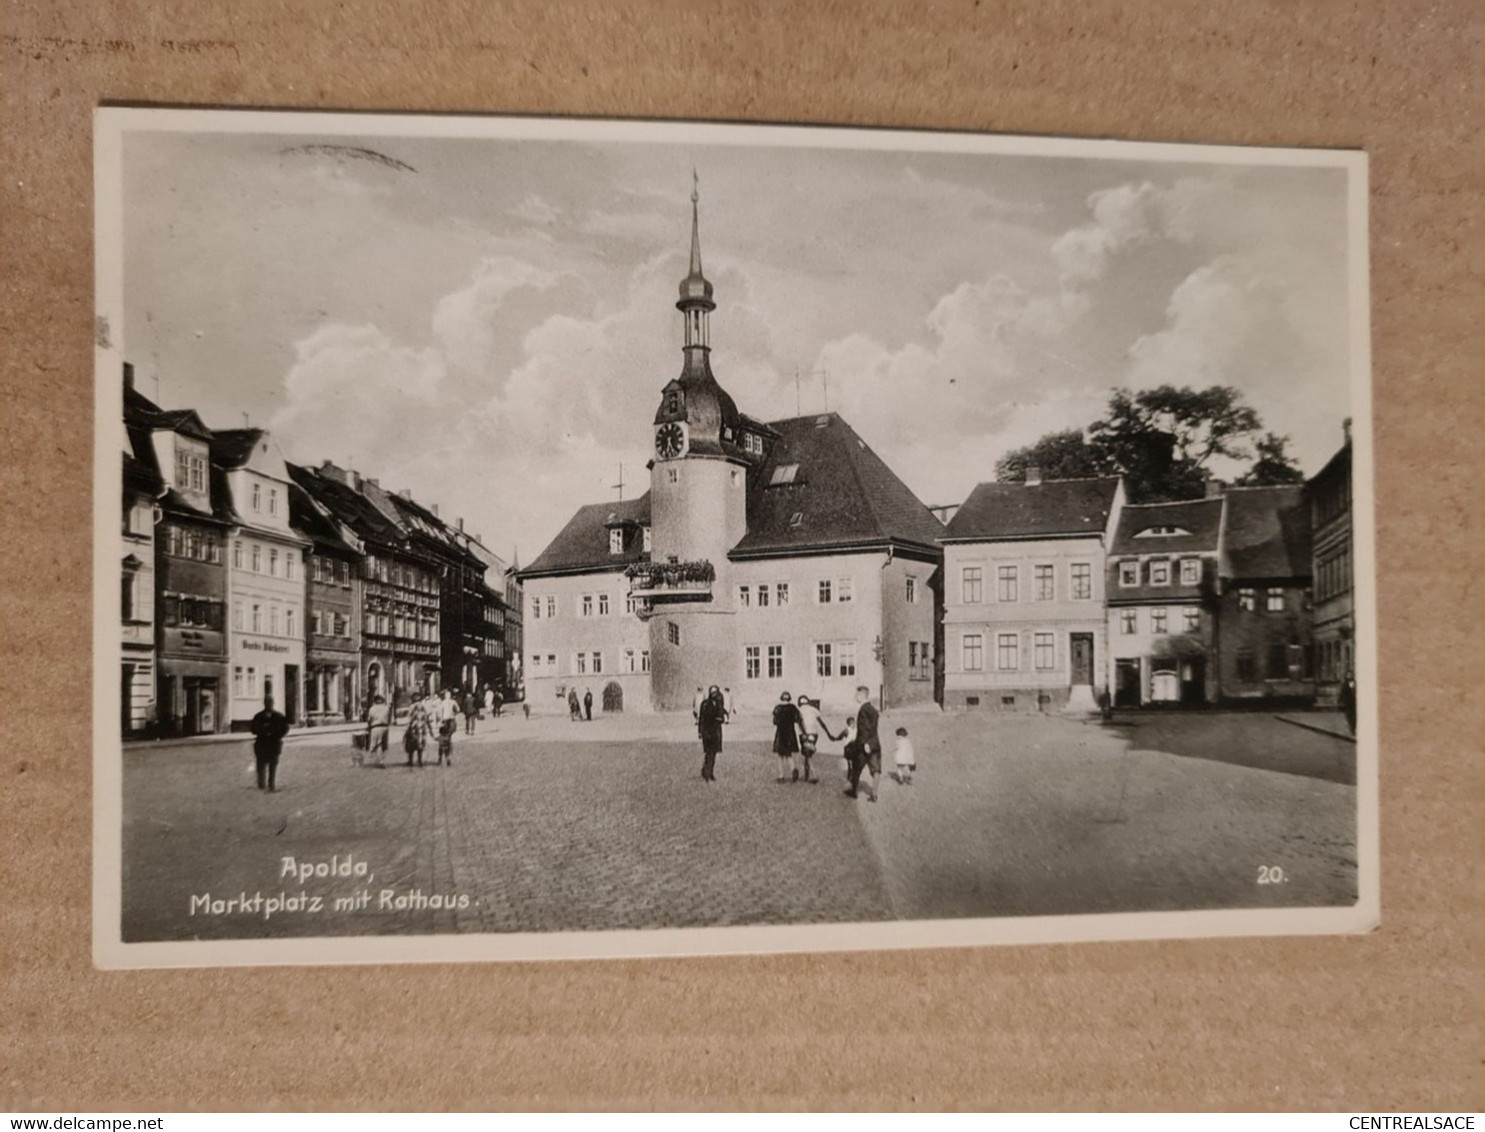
x,y
695,186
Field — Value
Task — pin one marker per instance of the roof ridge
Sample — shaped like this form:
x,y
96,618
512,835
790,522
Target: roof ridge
x,y
1176,502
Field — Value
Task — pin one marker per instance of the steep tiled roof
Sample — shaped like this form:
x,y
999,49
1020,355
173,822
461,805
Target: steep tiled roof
x,y
231,447
142,413
841,494
1267,533
349,506
1200,518
312,522
583,543
1017,510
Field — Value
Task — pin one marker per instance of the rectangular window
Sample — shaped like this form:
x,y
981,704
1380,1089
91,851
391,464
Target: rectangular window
x,y
289,565
580,663
587,606
1159,572
763,595
845,658
551,607
536,609
275,620
644,660
1190,571
1274,603
597,662
257,497
236,554
257,618
971,585
239,682
673,632
616,541
822,593
1045,650
257,559
752,662
252,681
844,589
1247,599
239,616
1082,581
647,540
1129,573
744,597
912,591
974,652
273,562
1129,622
781,593
1278,660
1007,652
291,623
823,666
273,501
1005,584
912,655
775,662
1046,589
603,605
628,604
1190,619
1158,621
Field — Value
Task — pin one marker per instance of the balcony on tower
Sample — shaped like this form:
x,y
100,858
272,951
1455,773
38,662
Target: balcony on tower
x,y
664,583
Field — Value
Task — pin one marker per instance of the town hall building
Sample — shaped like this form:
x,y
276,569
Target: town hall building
x,y
765,558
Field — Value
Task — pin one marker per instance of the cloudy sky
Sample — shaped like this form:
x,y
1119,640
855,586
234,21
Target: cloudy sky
x,y
489,322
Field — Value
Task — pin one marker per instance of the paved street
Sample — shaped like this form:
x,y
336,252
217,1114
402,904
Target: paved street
x,y
545,824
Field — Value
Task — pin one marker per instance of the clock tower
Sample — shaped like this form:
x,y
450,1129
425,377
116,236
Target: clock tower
x,y
698,508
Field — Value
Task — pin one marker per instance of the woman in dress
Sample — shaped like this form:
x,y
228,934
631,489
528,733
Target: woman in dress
x,y
709,718
786,725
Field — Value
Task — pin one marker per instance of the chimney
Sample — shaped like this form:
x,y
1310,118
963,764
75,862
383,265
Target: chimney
x,y
460,524
1214,489
1033,475
129,381
435,510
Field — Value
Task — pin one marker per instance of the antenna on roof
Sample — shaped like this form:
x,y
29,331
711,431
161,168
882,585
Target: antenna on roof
x,y
620,484
245,422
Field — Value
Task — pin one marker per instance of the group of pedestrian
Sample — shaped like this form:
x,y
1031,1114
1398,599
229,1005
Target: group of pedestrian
x,y
579,710
430,716
798,724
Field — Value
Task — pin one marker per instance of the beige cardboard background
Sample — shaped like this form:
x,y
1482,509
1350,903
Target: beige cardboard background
x,y
1386,1021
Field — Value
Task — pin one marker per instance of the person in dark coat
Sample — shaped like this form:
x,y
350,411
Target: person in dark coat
x,y
471,711
1348,700
710,715
864,752
269,728
786,727
588,704
574,709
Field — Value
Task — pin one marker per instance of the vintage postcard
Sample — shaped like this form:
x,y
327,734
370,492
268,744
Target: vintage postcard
x,y
557,538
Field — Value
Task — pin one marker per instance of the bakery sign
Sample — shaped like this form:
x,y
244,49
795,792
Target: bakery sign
x,y
251,644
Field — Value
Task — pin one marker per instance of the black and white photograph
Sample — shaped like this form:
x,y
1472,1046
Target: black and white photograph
x,y
555,538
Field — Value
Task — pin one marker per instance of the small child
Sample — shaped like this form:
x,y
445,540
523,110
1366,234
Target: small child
x,y
905,758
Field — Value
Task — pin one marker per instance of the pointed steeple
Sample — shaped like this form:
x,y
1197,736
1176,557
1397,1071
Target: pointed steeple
x,y
696,291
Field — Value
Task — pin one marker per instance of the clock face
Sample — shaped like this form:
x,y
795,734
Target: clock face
x,y
670,439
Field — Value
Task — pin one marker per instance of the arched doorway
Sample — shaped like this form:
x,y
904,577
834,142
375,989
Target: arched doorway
x,y
613,697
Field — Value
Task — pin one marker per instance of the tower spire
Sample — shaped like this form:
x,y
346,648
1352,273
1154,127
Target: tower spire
x,y
696,292
695,225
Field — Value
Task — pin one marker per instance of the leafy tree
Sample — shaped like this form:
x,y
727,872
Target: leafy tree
x,y
1273,464
1162,441
1062,455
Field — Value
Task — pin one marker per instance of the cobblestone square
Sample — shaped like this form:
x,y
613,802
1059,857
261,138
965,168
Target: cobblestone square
x,y
548,825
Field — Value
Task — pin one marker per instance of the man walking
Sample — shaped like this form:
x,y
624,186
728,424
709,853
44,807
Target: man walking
x,y
447,713
269,728
378,723
865,751
471,711
588,704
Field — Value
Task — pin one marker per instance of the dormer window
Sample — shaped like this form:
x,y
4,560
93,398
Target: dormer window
x,y
647,540
796,519
673,402
783,474
616,541
1162,532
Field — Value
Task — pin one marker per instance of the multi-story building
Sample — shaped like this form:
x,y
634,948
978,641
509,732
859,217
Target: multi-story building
x,y
332,611
137,705
266,587
1334,602
190,575
1024,620
400,586
1264,616
487,603
1162,588
513,617
764,558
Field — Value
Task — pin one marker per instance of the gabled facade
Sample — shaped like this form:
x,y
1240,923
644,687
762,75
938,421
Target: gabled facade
x,y
143,489
1162,588
266,587
190,573
332,611
1265,626
764,558
1024,620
